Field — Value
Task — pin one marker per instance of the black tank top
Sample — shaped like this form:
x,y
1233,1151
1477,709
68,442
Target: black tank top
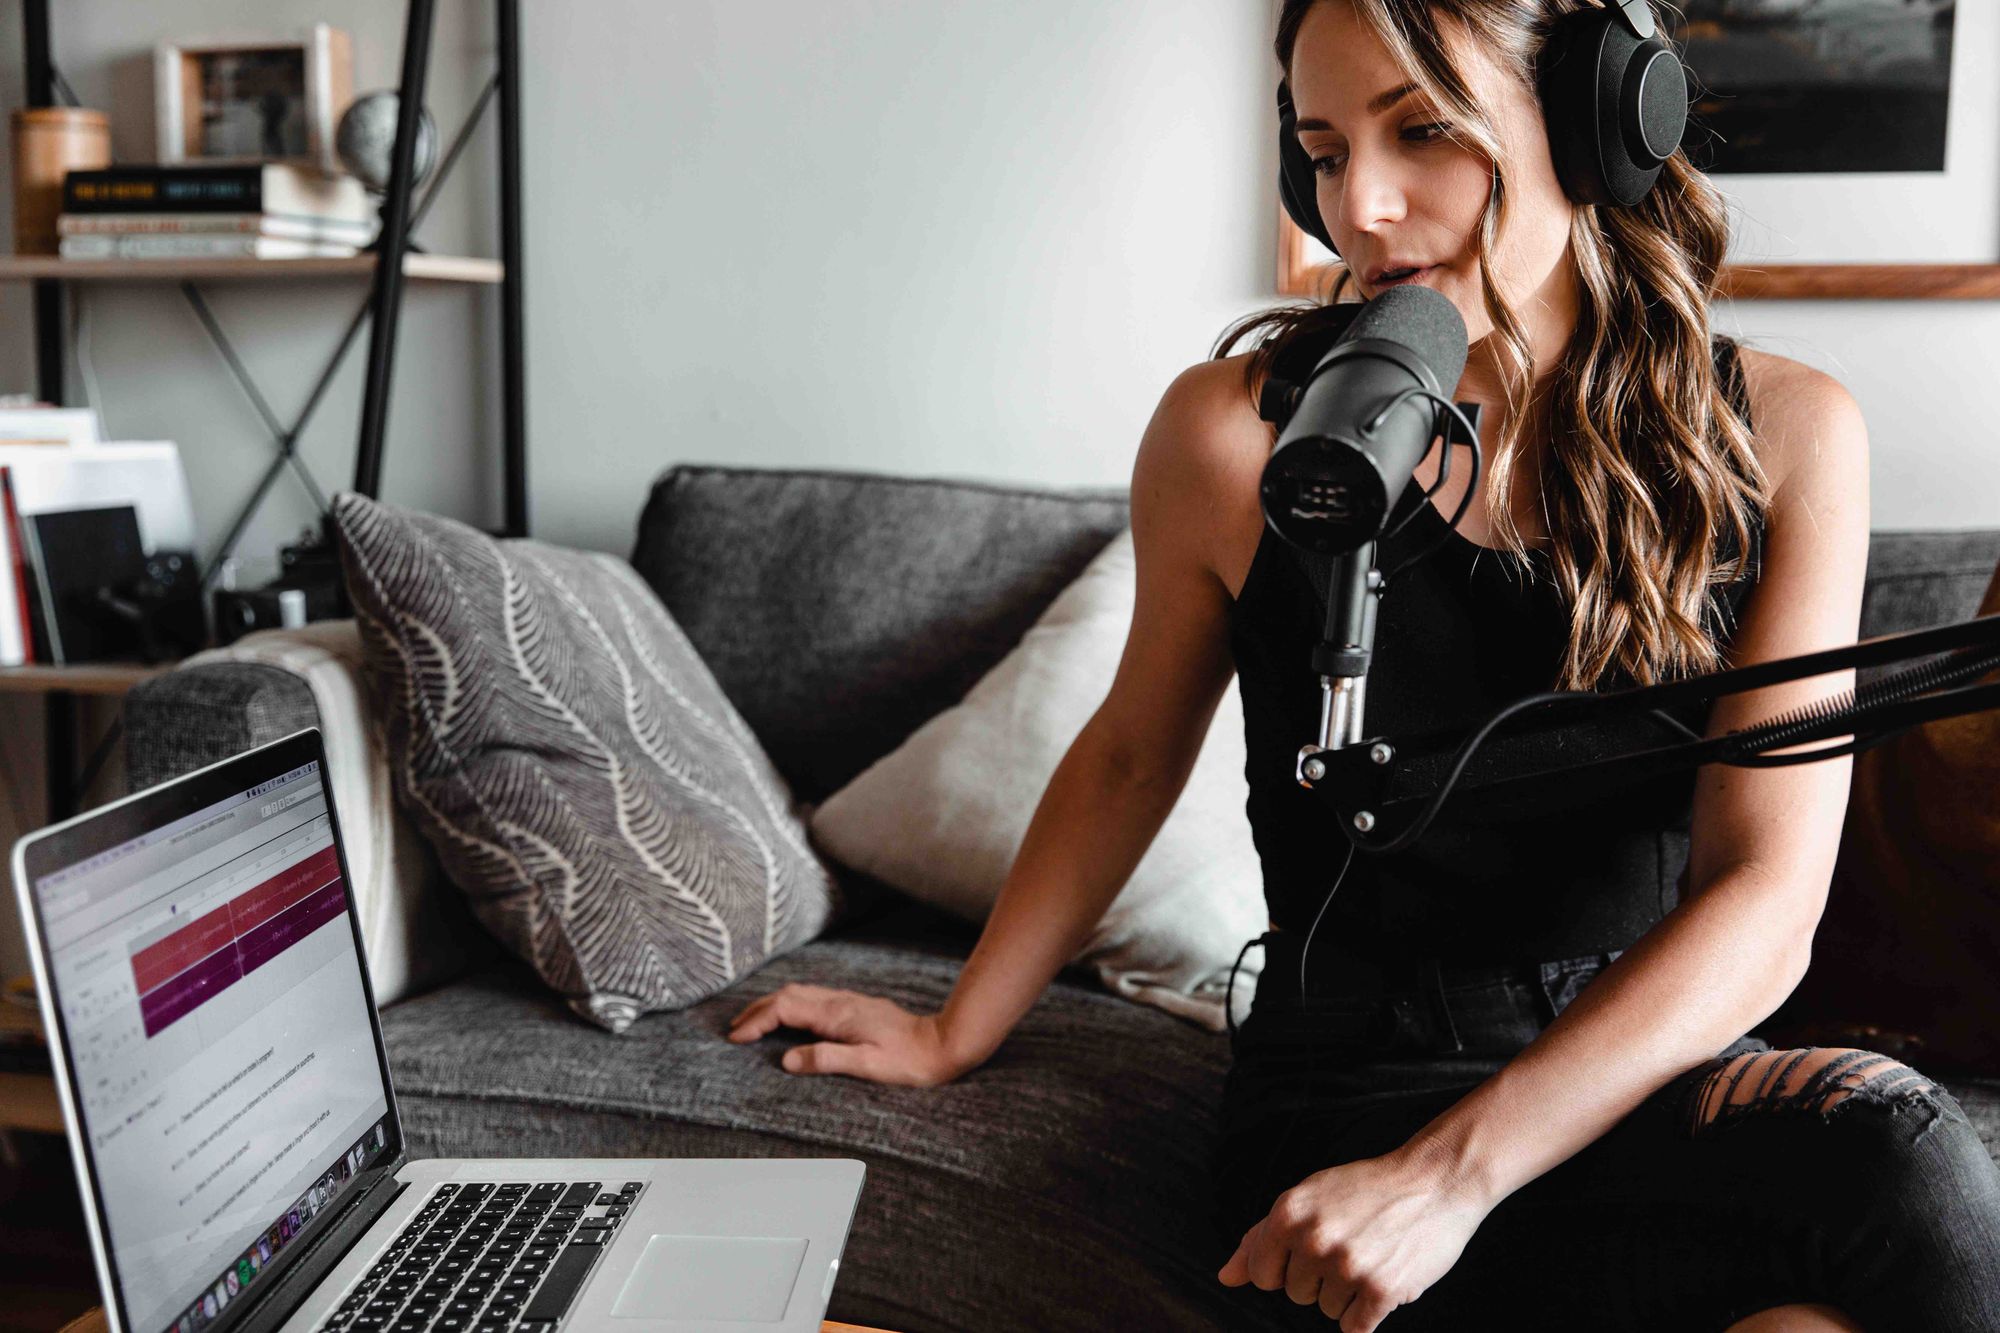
x,y
1460,633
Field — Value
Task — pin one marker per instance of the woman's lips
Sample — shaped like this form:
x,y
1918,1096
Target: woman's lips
x,y
1414,276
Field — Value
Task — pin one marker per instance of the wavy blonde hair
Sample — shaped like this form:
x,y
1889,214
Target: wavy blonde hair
x,y
1648,462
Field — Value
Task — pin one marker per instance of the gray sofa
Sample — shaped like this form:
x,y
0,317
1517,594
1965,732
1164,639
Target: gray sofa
x,y
1062,1185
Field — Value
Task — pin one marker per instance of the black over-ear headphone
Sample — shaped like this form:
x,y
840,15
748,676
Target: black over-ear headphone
x,y
1614,96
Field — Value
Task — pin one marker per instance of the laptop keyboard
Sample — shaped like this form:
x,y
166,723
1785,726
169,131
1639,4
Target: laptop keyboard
x,y
487,1258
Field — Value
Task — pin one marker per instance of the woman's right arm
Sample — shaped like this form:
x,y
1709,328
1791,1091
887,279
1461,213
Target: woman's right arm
x,y
1114,787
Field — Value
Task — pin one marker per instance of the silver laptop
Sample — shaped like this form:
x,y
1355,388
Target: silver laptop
x,y
235,1134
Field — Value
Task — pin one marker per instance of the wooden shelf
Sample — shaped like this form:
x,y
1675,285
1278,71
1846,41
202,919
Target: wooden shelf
x,y
430,268
84,678
19,1014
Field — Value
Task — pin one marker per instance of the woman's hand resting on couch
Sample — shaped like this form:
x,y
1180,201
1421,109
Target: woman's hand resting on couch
x,y
867,1037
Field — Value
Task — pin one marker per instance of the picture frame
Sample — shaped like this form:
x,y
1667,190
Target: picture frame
x,y
257,100
1820,231
1306,269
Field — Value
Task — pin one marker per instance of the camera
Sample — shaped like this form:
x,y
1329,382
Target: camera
x,y
308,587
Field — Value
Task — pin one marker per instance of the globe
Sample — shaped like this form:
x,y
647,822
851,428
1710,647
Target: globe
x,y
366,140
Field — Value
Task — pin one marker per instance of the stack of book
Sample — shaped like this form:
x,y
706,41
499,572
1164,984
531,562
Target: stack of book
x,y
269,210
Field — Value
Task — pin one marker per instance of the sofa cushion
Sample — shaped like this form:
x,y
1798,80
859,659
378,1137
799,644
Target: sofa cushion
x,y
582,778
1919,579
839,610
1079,1153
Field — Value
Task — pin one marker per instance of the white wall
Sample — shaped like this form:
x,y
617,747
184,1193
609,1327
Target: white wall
x,y
957,239
953,239
1924,375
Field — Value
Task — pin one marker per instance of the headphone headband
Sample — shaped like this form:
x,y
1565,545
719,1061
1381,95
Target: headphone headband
x,y
1638,16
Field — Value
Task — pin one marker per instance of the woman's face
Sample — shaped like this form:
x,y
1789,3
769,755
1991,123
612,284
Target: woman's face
x,y
1395,192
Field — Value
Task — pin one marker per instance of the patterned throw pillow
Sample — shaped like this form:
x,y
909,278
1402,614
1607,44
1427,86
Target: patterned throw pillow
x,y
581,775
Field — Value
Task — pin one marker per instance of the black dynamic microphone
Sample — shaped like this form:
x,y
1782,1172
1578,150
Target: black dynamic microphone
x,y
1362,422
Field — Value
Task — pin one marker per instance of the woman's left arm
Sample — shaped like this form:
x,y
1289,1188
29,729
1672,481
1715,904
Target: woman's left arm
x,y
1764,839
1379,1232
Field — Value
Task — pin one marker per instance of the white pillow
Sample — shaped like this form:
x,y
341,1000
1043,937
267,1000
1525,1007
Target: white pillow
x,y
942,817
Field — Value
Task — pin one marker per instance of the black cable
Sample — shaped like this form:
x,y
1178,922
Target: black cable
x,y
1319,1046
1460,759
1313,929
1471,486
1304,949
1663,716
1443,477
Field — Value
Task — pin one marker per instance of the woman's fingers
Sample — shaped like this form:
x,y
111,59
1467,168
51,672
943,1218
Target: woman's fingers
x,y
1266,1255
756,1019
1306,1287
827,1057
791,1006
866,1036
1262,1260
1365,1314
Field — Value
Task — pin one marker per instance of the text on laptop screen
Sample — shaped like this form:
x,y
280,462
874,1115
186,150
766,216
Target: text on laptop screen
x,y
225,1062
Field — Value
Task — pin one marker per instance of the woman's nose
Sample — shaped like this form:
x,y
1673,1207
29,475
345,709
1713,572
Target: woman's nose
x,y
1371,192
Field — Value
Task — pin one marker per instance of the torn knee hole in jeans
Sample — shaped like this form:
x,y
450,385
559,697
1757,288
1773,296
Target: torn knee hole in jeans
x,y
1815,1079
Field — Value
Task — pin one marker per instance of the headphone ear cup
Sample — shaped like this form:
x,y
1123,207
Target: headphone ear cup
x,y
1298,184
1615,104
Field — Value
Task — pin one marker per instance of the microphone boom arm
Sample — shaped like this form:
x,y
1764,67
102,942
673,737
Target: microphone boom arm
x,y
1370,781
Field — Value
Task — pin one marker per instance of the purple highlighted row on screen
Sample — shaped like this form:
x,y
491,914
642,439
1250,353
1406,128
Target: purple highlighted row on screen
x,y
228,965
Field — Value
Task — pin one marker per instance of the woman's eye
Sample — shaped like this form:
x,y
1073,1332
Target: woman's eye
x,y
1429,132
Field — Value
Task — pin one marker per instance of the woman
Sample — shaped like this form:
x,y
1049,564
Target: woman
x,y
1515,1089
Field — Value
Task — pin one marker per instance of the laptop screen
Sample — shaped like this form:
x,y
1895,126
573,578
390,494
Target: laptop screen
x,y
208,978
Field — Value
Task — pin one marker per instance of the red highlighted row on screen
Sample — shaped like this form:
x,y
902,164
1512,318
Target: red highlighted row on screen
x,y
217,950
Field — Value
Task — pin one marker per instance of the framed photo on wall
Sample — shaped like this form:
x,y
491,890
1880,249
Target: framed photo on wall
x,y
274,100
1856,141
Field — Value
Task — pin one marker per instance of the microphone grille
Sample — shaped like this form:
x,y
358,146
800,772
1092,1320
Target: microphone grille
x,y
1422,320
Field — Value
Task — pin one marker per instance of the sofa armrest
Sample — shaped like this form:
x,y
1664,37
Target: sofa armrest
x,y
417,928
207,711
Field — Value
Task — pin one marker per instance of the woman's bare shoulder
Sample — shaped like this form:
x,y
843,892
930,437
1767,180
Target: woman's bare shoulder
x,y
1199,466
1209,407
1800,414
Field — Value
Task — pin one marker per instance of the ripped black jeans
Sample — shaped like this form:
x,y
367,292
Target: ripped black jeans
x,y
1756,1180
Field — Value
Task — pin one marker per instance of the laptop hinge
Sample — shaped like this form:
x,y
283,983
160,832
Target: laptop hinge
x,y
296,1284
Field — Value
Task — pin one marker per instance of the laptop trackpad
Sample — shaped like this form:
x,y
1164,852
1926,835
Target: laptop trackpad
x,y
712,1277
